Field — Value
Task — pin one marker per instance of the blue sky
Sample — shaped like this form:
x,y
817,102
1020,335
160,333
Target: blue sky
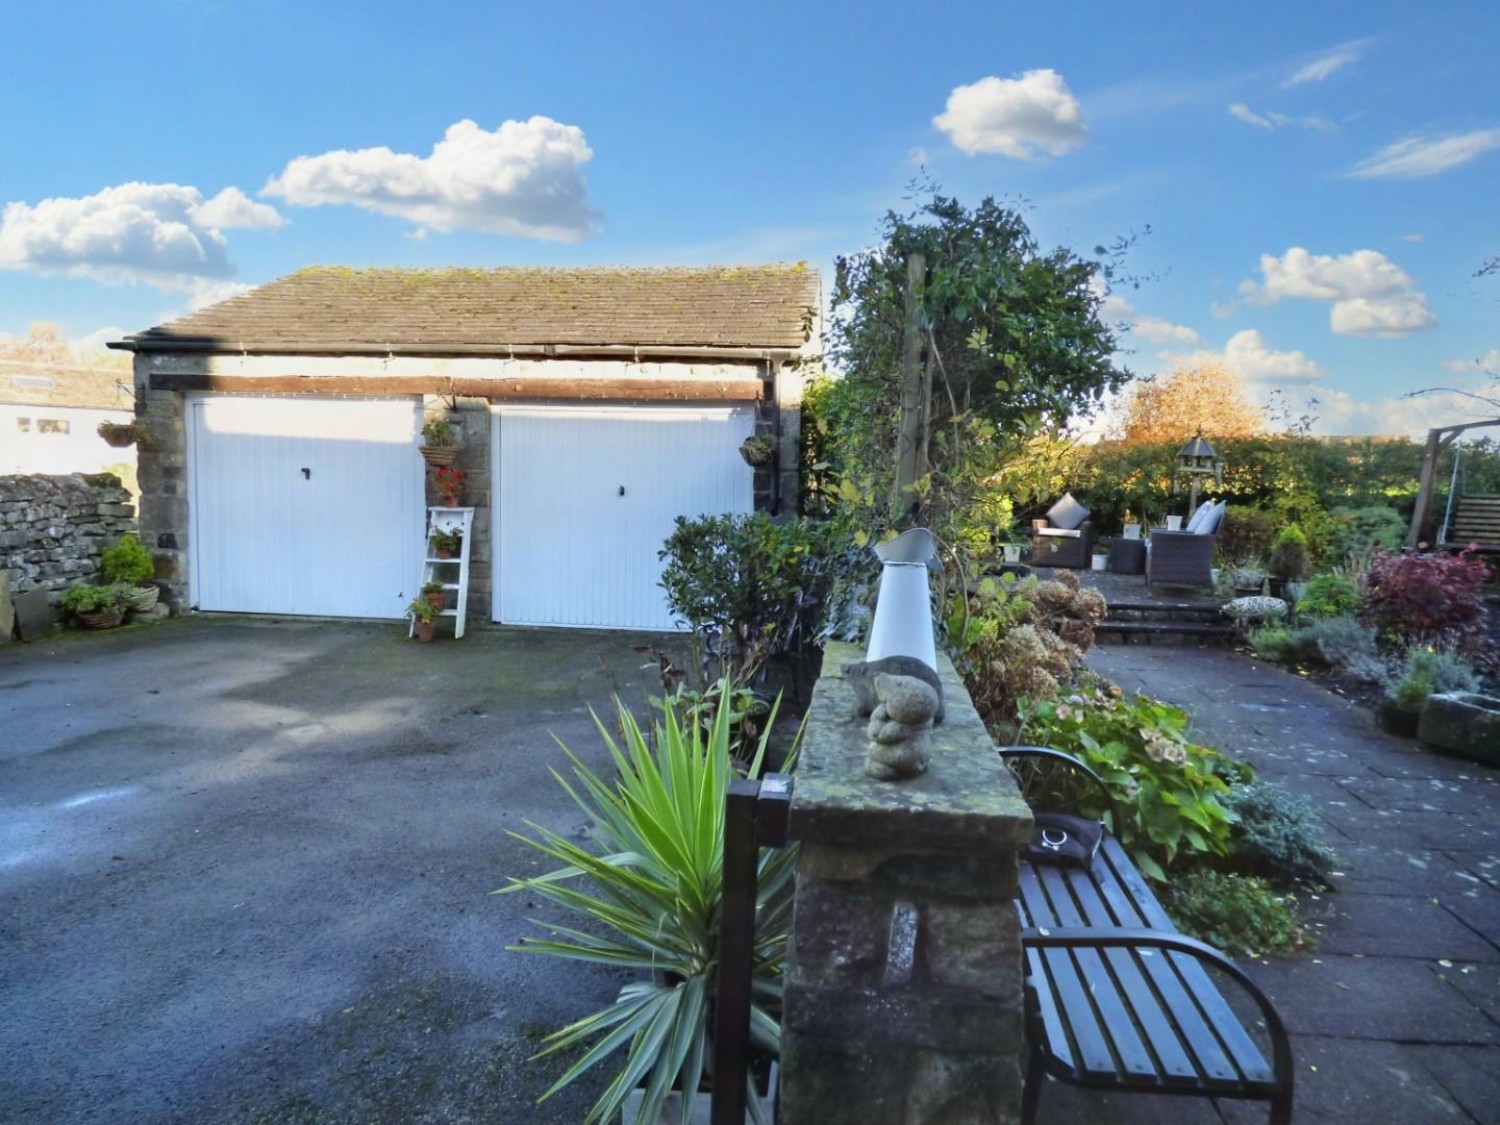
x,y
1319,179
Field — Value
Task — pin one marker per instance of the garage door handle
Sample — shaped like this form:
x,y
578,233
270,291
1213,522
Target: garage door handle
x,y
622,490
307,474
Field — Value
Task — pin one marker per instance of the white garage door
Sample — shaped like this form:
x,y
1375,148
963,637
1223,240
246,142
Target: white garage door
x,y
304,506
585,497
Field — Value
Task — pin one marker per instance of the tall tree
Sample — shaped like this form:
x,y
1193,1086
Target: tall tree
x,y
1012,344
1208,397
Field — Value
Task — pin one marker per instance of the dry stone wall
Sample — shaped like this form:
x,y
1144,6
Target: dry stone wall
x,y
53,529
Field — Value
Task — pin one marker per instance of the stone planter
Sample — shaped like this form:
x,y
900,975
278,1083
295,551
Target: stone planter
x,y
142,598
1397,721
1462,723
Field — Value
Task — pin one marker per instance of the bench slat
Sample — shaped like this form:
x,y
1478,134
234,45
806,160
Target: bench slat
x,y
1135,1063
1088,1038
1156,1009
1247,1058
1104,1001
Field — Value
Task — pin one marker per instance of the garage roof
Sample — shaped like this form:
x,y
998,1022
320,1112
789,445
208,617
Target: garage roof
x,y
383,311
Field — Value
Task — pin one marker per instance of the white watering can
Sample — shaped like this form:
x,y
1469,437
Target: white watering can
x,y
903,609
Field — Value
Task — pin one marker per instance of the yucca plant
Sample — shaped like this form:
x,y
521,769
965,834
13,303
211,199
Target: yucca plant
x,y
649,886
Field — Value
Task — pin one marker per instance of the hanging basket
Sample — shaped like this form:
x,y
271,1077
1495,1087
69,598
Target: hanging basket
x,y
437,455
759,452
121,435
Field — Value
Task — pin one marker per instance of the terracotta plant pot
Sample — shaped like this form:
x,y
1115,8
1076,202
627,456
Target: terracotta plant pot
x,y
437,600
443,552
426,631
450,499
437,455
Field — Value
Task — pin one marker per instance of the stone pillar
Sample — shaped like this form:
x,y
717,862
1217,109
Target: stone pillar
x,y
903,999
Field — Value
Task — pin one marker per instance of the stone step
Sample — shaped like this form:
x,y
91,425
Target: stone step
x,y
1171,611
1162,633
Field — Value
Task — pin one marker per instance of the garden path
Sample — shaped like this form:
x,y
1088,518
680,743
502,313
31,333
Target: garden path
x,y
1396,1016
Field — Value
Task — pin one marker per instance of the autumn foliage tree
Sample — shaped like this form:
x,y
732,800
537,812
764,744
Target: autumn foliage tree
x,y
1207,397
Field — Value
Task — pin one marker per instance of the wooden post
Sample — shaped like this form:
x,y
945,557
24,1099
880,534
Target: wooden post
x,y
909,429
1421,515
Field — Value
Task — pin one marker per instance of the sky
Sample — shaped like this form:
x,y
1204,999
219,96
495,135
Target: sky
x,y
1314,186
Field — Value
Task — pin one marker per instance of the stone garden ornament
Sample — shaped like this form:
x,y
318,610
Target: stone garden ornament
x,y
900,727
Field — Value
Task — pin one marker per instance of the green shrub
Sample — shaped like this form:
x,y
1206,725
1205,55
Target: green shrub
x,y
82,598
1431,671
1245,534
127,561
1335,641
1272,643
1289,553
747,580
1166,789
1237,914
1329,595
1276,834
1359,529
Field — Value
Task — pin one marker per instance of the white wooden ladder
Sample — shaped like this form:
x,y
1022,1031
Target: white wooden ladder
x,y
452,573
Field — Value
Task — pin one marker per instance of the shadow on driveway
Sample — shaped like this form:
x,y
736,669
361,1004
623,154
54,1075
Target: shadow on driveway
x,y
245,870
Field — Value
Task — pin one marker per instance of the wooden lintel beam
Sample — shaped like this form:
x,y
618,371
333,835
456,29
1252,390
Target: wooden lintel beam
x,y
496,390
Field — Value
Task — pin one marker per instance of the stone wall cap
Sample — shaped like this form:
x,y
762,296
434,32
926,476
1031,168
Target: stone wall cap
x,y
966,799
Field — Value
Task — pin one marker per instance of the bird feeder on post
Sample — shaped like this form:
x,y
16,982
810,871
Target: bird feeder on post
x,y
1196,461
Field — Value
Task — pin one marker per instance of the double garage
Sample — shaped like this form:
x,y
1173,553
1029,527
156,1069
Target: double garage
x,y
315,506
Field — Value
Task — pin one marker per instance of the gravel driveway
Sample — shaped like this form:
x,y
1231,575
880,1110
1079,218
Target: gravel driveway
x,y
245,870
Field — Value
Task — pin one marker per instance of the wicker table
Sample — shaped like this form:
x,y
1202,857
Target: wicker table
x,y
1128,556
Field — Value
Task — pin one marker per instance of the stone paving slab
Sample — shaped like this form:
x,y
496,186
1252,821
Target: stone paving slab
x,y
1397,1017
1393,1086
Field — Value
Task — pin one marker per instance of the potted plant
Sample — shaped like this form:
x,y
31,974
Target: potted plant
x,y
129,564
1288,559
1401,710
436,596
1249,578
759,451
425,614
439,442
123,434
647,880
450,484
445,544
1131,525
96,607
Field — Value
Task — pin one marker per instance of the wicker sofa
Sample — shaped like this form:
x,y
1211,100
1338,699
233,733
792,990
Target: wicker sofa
x,y
1180,558
1053,546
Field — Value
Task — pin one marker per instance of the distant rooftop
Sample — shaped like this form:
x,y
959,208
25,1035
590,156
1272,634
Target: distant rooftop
x,y
335,310
24,383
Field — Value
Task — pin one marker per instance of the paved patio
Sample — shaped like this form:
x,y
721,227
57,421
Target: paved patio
x,y
1397,1017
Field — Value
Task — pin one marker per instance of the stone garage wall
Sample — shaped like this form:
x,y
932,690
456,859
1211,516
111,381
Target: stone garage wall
x,y
53,529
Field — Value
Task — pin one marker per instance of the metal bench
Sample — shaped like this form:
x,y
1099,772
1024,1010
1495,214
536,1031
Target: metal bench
x,y
1117,998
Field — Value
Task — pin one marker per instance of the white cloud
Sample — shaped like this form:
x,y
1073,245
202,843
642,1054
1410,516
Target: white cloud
x,y
1370,295
1325,65
1490,361
1248,354
1416,157
1249,116
524,178
1272,120
1339,412
917,156
232,209
1114,309
163,235
1413,238
1017,117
